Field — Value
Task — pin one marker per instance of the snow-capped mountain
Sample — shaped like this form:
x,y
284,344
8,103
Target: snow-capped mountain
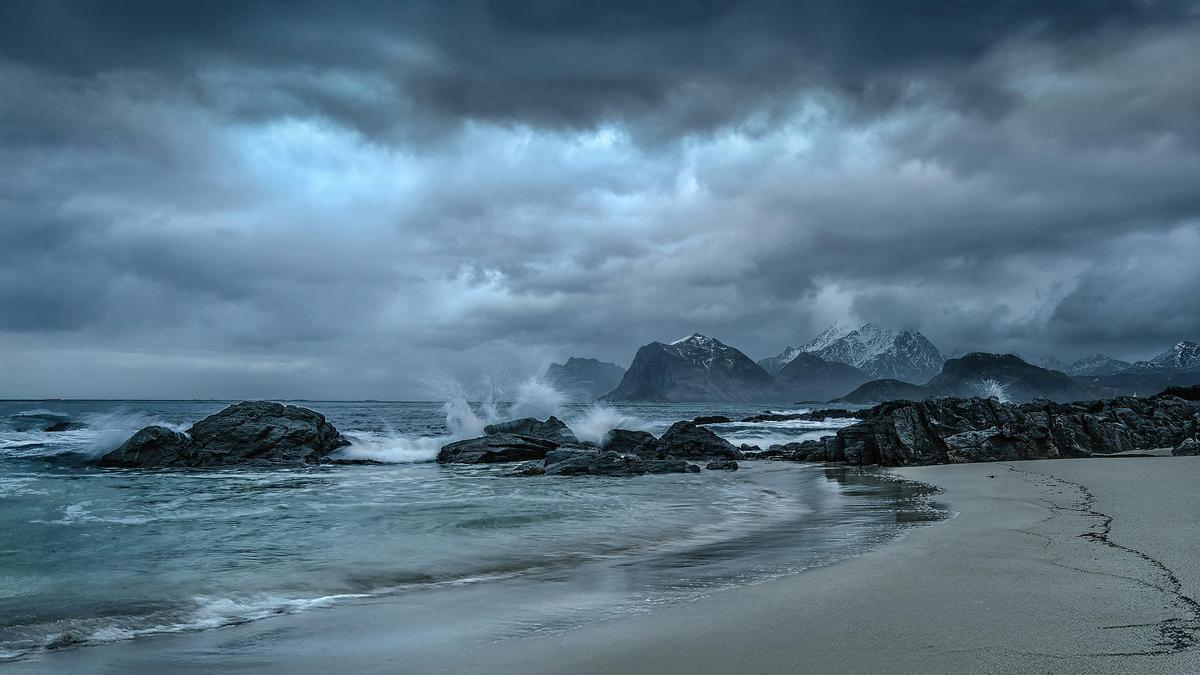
x,y
774,364
880,352
1184,356
1096,364
695,368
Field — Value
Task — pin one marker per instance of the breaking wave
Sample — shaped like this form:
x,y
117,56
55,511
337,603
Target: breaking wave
x,y
465,418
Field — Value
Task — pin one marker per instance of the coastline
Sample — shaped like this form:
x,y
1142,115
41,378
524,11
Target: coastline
x,y
1081,565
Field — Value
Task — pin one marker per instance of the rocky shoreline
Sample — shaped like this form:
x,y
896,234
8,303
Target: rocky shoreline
x,y
945,430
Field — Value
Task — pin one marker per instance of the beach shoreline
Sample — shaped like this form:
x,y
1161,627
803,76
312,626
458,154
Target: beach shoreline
x,y
1081,565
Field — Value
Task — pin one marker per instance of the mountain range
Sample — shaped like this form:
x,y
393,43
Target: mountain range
x,y
879,352
867,364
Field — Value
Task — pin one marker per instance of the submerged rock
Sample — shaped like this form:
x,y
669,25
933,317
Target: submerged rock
x,y
500,447
65,426
608,463
254,432
722,465
553,429
712,419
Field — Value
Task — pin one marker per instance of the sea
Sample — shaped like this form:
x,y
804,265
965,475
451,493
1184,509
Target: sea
x,y
91,556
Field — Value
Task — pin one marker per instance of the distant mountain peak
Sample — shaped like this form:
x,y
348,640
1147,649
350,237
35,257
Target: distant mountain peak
x,y
699,341
879,351
695,368
1183,355
584,379
1096,365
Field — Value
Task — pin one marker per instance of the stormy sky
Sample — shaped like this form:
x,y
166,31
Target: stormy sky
x,y
282,199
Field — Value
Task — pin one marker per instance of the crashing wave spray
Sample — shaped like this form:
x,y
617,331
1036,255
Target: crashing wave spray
x,y
532,398
594,423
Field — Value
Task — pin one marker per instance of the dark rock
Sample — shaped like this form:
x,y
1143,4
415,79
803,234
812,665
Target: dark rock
x,y
607,463
812,415
722,465
712,419
1189,447
254,432
495,448
747,449
529,469
951,430
630,442
65,641
776,451
151,446
553,429
685,440
1191,393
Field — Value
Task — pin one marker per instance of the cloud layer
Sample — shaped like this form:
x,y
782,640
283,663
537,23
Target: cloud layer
x,y
261,199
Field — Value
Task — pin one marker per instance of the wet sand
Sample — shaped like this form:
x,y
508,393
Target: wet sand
x,y
1089,565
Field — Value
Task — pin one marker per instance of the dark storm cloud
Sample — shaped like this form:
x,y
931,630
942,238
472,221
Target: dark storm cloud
x,y
666,68
341,199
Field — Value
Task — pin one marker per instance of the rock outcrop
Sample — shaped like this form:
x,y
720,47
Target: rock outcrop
x,y
250,433
553,429
495,448
685,440
630,442
952,430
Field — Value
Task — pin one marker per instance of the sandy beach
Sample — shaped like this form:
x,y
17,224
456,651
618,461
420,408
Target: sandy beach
x,y
1084,565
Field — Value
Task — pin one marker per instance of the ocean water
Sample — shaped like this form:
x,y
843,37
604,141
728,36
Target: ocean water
x,y
90,556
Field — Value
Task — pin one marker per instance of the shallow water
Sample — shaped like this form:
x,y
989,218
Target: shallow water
x,y
90,555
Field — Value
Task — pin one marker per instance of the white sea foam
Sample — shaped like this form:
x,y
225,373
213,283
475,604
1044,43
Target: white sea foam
x,y
393,448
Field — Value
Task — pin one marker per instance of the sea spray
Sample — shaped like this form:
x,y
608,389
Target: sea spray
x,y
23,434
594,423
538,398
465,418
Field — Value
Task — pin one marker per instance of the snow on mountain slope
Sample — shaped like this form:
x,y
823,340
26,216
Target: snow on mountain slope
x,y
880,352
1096,364
775,364
1183,356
